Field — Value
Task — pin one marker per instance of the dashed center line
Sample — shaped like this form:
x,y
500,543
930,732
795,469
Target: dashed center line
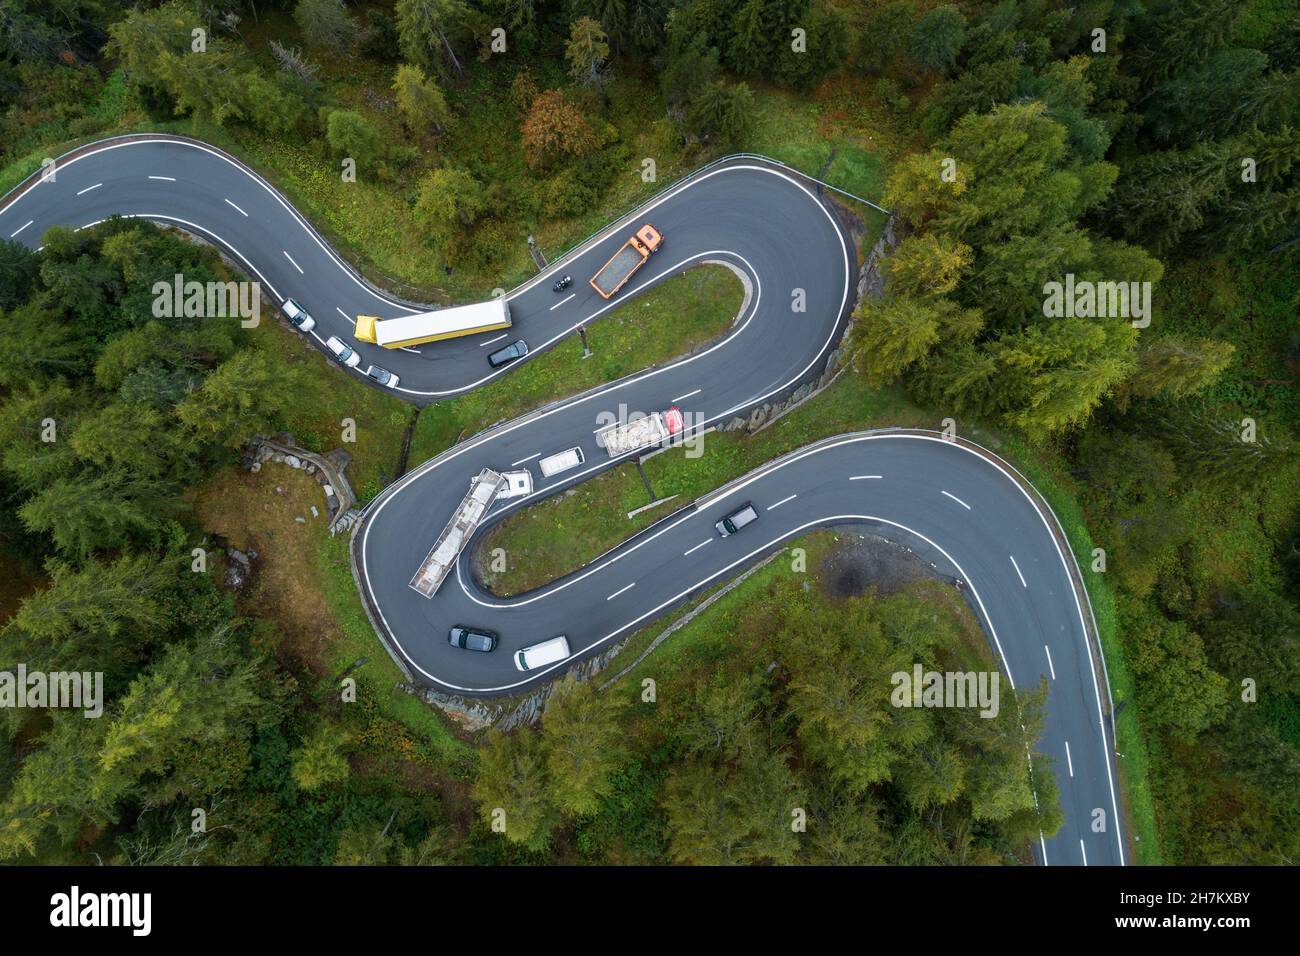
x,y
166,179
522,460
490,341
688,395
1069,762
561,302
295,265
1049,661
82,192
236,208
1018,574
781,502
862,477
620,591
1084,851
342,313
21,228
696,548
958,500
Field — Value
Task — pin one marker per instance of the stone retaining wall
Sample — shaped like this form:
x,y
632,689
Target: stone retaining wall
x,y
871,282
327,469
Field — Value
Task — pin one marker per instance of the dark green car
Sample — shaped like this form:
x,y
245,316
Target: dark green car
x,y
472,639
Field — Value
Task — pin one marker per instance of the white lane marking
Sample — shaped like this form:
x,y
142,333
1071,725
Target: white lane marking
x,y
295,265
21,228
497,339
862,477
781,502
522,460
166,179
1043,843
620,591
560,303
82,192
958,500
1069,761
408,349
696,548
1018,574
236,208
1049,661
1084,851
342,313
688,395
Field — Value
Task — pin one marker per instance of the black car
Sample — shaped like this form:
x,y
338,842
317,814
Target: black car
x,y
471,639
513,351
562,283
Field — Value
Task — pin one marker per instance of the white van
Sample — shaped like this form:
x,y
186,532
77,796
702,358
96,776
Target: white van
x,y
561,461
540,655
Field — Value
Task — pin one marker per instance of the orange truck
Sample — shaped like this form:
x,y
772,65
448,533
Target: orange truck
x,y
613,275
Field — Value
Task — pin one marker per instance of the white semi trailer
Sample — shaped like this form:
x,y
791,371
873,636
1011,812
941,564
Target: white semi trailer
x,y
483,491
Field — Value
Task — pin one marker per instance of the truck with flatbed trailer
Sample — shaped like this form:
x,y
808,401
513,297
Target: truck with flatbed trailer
x,y
483,491
643,432
622,265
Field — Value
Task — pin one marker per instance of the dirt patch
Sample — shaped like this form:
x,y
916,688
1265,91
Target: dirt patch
x,y
861,561
270,513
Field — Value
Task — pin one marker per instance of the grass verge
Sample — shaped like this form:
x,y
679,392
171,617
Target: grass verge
x,y
677,316
593,516
303,589
327,397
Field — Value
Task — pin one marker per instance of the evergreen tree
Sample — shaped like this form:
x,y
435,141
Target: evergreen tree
x,y
583,745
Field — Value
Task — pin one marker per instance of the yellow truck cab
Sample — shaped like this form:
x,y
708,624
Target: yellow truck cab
x,y
365,331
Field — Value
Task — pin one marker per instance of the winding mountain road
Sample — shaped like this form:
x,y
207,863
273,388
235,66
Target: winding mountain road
x,y
960,508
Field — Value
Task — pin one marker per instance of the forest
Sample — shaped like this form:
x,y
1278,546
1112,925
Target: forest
x,y
1016,143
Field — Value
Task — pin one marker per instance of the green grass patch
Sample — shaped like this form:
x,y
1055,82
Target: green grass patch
x,y
377,679
327,396
595,514
678,315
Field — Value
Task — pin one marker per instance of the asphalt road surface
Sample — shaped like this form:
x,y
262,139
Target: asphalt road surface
x,y
959,509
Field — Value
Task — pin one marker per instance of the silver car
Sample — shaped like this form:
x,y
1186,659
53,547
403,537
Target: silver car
x,y
382,376
746,515
343,352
